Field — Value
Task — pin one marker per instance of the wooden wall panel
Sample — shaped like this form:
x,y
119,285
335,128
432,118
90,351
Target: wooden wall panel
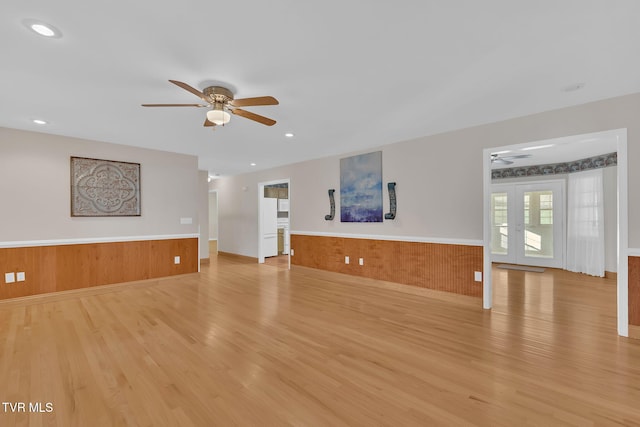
x,y
442,267
108,255
76,266
36,262
634,290
66,267
160,259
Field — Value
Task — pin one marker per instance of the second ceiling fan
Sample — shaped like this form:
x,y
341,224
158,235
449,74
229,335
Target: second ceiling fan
x,y
221,102
507,160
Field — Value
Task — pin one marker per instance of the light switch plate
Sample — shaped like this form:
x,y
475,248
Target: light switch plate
x,y
20,276
9,277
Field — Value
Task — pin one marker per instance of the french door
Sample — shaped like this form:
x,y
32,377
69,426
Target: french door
x,y
527,223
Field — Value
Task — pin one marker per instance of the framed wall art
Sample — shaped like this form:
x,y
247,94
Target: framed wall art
x,y
104,187
361,188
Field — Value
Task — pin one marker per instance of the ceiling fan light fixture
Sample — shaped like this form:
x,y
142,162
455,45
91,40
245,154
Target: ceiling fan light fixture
x,y
218,116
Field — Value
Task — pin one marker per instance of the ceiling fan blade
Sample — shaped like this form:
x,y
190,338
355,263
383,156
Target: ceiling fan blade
x,y
502,161
207,123
255,117
174,105
260,100
519,156
193,90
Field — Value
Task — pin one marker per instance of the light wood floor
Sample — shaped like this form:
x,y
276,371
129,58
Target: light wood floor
x,y
255,345
280,261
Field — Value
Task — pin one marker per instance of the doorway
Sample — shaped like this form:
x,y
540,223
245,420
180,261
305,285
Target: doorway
x,y
527,223
274,216
619,139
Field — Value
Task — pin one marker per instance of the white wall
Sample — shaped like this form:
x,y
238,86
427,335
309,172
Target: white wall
x,y
439,179
213,216
203,212
35,189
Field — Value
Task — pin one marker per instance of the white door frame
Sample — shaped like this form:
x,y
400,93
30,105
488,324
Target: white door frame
x,y
261,186
623,222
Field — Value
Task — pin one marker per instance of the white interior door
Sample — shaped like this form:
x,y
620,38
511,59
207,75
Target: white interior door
x,y
528,223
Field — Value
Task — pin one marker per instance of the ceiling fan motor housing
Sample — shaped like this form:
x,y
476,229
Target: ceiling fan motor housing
x,y
218,94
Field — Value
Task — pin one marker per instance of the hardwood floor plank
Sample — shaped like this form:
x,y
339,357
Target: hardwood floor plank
x,y
247,344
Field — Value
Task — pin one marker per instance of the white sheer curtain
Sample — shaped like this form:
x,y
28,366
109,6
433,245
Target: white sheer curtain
x,y
585,223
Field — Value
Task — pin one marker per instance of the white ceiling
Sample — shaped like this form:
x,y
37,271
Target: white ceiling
x,y
559,150
349,75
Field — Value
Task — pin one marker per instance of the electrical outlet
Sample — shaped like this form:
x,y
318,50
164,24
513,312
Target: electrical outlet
x,y
9,277
477,276
20,276
361,261
176,260
291,252
346,260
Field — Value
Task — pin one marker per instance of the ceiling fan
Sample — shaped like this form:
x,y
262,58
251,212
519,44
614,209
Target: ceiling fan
x,y
507,160
220,102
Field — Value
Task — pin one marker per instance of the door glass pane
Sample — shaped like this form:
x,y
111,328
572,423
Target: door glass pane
x,y
499,224
538,224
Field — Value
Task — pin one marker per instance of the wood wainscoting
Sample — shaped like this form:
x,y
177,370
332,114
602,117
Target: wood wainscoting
x,y
438,266
634,291
74,266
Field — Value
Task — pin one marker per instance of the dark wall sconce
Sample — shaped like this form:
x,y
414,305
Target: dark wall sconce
x,y
392,201
332,204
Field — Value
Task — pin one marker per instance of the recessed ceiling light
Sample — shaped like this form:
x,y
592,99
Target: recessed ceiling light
x,y
537,147
39,122
42,28
288,135
253,164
